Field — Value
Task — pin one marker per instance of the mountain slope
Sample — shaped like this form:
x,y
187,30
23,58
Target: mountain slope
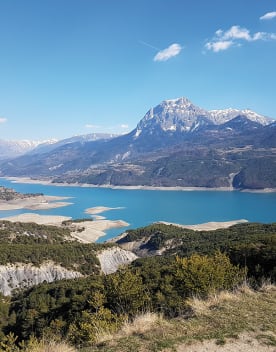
x,y
204,146
46,148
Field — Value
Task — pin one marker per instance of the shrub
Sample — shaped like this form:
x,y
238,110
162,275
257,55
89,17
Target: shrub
x,y
125,292
201,275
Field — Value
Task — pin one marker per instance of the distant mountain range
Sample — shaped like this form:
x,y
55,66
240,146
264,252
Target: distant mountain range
x,y
47,147
13,148
175,144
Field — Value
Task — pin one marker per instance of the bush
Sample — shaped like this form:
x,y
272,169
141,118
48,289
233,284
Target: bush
x,y
125,292
201,275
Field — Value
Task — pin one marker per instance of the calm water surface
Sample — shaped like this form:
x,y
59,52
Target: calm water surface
x,y
142,207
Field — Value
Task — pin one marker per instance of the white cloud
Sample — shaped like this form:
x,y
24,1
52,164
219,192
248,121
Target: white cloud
x,y
3,120
268,16
236,32
124,126
234,36
259,36
168,53
218,46
264,36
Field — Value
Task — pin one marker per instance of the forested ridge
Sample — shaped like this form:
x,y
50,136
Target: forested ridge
x,y
249,244
33,243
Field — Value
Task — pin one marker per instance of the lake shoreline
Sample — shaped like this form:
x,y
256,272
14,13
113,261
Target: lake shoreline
x,y
206,226
91,231
84,232
40,202
28,180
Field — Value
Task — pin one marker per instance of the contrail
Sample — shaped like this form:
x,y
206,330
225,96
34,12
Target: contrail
x,y
149,45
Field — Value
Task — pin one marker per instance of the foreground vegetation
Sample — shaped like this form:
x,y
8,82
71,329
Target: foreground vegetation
x,y
78,309
242,318
222,317
181,291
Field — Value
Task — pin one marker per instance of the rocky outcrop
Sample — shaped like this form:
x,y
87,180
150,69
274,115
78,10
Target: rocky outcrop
x,y
110,259
19,275
143,247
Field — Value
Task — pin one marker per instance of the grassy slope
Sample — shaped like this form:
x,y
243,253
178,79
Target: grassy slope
x,y
220,318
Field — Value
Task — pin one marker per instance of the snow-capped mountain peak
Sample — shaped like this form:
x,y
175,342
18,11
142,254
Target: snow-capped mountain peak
x,y
222,116
171,115
181,115
13,148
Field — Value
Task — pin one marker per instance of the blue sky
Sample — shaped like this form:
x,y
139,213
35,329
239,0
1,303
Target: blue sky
x,y
72,67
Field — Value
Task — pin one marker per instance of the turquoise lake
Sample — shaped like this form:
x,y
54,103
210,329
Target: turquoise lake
x,y
142,207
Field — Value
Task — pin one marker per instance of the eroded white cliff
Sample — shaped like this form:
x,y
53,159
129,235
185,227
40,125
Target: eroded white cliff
x,y
20,275
111,258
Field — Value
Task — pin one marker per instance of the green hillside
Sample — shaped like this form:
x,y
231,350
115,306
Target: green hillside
x,y
85,311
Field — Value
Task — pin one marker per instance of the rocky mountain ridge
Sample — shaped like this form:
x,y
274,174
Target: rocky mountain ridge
x,y
183,116
222,116
175,144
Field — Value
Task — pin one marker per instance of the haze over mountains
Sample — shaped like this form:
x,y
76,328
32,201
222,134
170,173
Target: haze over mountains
x,y
13,148
175,144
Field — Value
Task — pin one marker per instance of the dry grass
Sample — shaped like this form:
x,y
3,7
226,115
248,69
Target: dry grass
x,y
220,318
203,307
51,347
267,286
141,324
245,289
